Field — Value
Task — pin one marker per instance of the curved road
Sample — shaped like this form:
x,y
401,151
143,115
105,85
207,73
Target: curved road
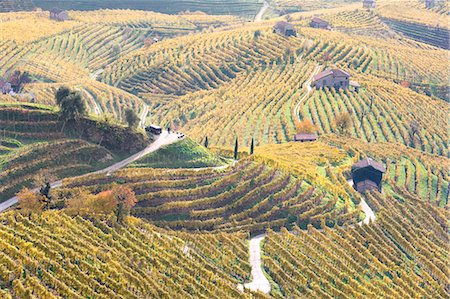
x,y
308,91
259,281
262,11
162,140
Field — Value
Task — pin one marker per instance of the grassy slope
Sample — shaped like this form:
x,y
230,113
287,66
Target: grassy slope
x,y
184,154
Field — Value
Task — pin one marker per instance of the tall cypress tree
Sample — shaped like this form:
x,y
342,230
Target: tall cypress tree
x,y
252,147
206,142
236,148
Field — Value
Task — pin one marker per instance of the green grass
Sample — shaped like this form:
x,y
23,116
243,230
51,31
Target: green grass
x,y
183,154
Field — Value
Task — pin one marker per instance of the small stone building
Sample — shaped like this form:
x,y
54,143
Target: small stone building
x,y
305,137
59,15
336,78
319,23
367,175
285,28
369,4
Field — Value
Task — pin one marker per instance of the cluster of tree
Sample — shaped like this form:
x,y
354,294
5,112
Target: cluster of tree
x,y
71,104
118,201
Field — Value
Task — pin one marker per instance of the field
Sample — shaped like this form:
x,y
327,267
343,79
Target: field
x,y
235,7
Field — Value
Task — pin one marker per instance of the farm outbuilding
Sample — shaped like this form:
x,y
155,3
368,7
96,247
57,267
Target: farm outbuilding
x,y
319,23
59,15
285,28
369,4
305,137
367,175
336,78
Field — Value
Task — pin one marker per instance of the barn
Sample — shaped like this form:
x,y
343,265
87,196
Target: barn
x,y
336,78
319,23
59,15
367,174
285,28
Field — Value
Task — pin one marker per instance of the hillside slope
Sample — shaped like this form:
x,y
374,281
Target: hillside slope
x,y
52,255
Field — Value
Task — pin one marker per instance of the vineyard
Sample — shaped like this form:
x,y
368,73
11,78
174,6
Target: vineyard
x,y
15,5
401,255
33,142
247,8
52,255
176,222
248,196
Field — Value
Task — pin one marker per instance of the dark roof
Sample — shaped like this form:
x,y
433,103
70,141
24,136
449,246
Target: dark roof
x,y
283,25
305,136
319,20
334,72
369,162
56,10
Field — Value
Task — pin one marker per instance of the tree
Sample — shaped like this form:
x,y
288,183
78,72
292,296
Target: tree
x,y
116,50
206,142
413,133
257,34
61,94
71,104
42,181
126,199
29,201
131,118
18,79
343,122
236,149
252,147
306,126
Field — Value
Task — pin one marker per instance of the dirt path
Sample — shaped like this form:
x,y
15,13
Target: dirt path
x,y
96,74
262,11
143,117
164,139
308,91
259,281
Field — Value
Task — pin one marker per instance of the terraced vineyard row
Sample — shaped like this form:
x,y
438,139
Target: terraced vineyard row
x,y
249,196
100,98
15,5
378,116
37,141
401,255
53,255
197,62
257,104
409,171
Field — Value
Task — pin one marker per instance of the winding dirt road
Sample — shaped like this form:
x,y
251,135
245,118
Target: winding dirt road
x,y
262,11
162,140
259,281
308,91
